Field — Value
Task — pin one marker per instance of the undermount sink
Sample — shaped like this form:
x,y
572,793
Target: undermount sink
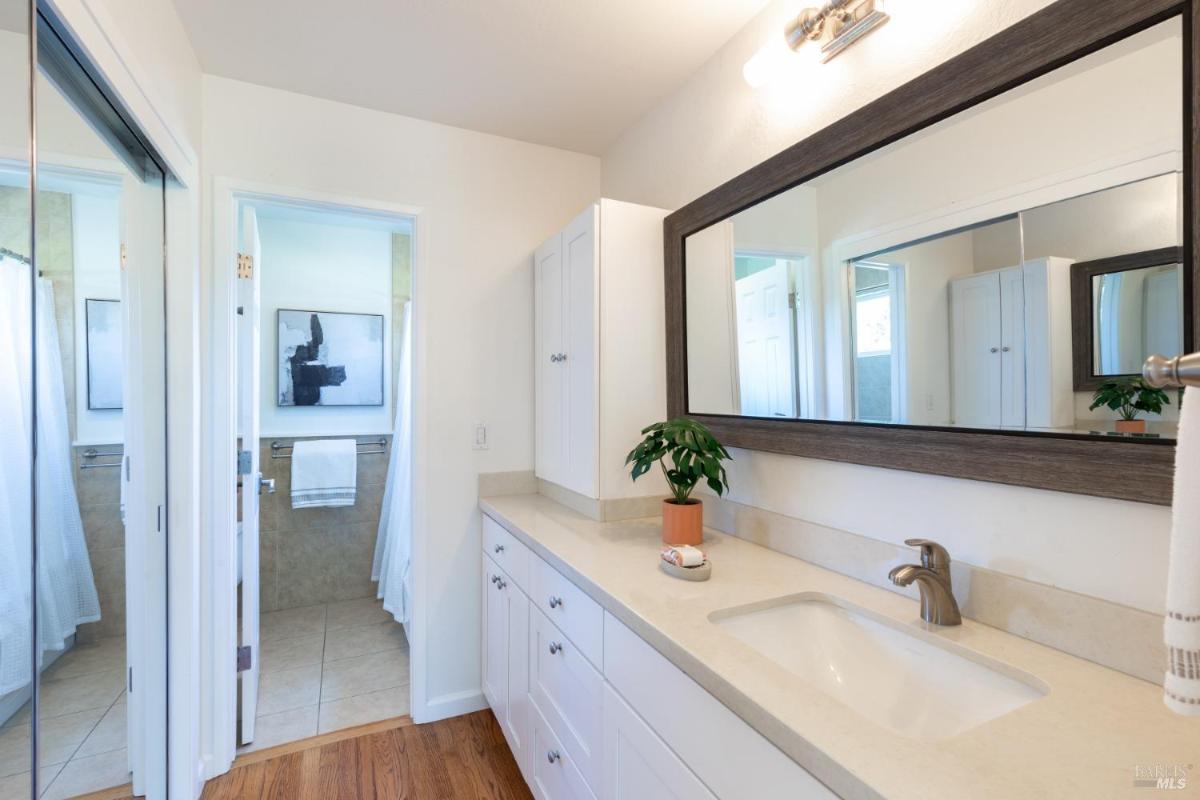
x,y
906,679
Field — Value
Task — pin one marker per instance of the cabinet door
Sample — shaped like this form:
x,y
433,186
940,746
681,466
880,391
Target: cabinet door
x,y
580,259
518,726
975,325
1012,348
638,764
495,639
550,375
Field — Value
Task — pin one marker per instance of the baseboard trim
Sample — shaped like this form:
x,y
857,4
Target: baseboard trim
x,y
451,705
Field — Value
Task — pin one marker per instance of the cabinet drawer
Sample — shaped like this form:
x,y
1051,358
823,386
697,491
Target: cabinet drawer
x,y
507,551
732,759
578,616
638,764
555,776
569,693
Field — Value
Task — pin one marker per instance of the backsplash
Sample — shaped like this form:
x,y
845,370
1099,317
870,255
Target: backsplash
x,y
317,555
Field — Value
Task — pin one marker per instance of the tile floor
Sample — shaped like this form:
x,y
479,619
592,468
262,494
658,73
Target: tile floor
x,y
328,667
82,727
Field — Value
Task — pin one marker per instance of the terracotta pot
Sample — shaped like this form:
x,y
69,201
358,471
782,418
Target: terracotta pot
x,y
683,524
1131,426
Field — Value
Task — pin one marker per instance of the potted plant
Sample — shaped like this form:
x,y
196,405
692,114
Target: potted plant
x,y
1129,396
688,453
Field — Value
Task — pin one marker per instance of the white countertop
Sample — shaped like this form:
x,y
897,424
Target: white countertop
x,y
1082,740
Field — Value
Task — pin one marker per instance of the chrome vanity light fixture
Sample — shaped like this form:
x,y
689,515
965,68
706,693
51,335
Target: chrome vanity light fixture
x,y
840,22
837,23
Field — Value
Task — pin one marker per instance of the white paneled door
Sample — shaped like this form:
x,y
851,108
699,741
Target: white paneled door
x,y
766,362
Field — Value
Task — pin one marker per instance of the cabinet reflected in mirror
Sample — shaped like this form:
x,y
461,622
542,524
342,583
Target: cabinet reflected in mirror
x,y
929,283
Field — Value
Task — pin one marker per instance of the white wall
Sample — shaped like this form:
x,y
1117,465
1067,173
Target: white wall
x,y
310,266
487,202
714,127
96,224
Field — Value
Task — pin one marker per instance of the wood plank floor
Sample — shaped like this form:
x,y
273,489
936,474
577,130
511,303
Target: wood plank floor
x,y
464,758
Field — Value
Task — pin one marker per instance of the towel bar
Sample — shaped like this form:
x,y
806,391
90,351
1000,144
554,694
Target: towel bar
x,y
380,444
1162,373
92,453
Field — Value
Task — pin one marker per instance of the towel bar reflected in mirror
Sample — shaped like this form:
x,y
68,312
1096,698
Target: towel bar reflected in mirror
x,y
379,444
1161,372
90,455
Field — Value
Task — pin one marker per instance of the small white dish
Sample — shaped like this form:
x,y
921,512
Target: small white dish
x,y
700,573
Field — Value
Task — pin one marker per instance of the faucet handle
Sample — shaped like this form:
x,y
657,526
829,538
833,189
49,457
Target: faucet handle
x,y
933,555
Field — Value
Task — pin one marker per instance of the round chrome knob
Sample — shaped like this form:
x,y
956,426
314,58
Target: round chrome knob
x,y
555,648
552,756
1005,349
495,579
500,584
498,548
994,350
562,356
555,602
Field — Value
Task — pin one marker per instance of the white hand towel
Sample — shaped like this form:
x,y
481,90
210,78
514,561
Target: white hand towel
x,y
324,473
1182,627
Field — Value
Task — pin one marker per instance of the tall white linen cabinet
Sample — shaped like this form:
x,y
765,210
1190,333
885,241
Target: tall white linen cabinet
x,y
599,347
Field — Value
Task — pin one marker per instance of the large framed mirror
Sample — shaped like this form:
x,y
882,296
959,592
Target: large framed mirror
x,y
943,280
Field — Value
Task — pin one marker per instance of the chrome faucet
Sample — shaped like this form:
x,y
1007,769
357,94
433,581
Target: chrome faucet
x,y
933,578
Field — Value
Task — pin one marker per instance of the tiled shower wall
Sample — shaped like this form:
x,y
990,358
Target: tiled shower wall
x,y
99,492
317,555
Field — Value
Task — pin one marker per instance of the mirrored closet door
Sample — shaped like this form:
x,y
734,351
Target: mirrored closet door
x,y
82,315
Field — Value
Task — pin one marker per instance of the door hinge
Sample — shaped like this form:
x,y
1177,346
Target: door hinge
x,y
131,680
243,462
124,255
243,658
245,265
791,299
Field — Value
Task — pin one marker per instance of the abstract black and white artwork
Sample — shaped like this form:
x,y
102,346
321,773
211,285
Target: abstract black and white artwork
x,y
103,354
330,359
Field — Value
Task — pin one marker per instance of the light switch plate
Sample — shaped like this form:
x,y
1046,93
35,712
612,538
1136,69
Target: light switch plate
x,y
480,440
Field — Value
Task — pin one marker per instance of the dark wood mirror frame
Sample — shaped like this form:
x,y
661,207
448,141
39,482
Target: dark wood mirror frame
x,y
1128,469
1083,333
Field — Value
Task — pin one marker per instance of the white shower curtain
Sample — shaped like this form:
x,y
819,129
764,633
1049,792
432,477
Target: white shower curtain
x,y
66,589
393,546
16,518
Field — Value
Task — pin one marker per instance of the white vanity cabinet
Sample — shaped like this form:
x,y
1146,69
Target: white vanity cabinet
x,y
598,297
505,666
593,712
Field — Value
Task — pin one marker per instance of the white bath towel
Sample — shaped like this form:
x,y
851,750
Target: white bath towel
x,y
324,473
1182,626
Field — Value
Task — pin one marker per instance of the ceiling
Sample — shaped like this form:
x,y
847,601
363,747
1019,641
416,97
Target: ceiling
x,y
567,73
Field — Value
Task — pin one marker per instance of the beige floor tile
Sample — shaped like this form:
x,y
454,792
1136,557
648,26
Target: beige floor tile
x,y
109,734
280,654
61,736
364,708
16,787
292,623
66,696
288,689
343,643
83,775
284,727
363,674
355,613
82,659
14,751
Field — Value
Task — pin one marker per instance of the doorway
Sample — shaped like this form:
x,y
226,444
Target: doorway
x,y
323,452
